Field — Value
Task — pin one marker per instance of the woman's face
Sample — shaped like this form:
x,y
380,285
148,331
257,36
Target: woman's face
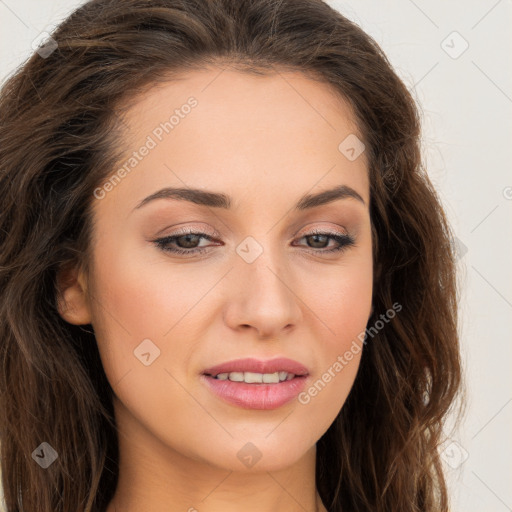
x,y
245,151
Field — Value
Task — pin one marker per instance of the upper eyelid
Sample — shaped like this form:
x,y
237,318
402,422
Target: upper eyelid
x,y
212,238
215,234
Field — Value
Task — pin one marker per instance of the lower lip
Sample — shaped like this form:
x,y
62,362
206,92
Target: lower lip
x,y
256,396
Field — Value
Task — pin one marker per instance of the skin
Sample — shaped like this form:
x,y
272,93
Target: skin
x,y
265,141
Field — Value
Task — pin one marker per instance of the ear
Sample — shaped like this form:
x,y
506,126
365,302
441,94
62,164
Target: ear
x,y
72,302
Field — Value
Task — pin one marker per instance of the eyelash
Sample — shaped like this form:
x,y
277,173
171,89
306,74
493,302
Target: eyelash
x,y
345,242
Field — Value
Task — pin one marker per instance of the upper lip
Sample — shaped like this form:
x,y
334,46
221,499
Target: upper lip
x,y
281,364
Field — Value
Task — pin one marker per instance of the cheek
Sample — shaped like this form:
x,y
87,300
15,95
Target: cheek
x,y
139,296
139,293
127,307
135,301
342,303
341,299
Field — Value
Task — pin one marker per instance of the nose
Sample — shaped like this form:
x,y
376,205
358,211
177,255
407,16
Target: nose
x,y
264,296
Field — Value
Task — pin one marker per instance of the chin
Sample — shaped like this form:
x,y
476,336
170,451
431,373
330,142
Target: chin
x,y
259,455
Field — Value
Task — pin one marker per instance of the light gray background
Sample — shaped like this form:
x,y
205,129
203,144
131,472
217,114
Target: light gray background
x,y
466,105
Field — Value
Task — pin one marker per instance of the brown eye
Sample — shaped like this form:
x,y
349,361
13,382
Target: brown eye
x,y
320,240
187,243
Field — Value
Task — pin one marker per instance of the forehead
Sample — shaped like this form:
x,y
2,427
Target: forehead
x,y
221,129
228,96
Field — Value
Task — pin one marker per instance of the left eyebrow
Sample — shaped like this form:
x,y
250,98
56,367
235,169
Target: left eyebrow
x,y
220,200
327,196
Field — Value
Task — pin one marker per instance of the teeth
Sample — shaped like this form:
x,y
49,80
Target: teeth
x,y
253,378
236,376
256,378
270,378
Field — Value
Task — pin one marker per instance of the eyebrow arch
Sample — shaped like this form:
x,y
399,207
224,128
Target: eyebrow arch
x,y
220,200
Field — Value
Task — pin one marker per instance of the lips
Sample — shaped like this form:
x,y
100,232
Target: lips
x,y
259,366
256,384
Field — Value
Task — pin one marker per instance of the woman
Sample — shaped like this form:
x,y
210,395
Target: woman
x,y
226,280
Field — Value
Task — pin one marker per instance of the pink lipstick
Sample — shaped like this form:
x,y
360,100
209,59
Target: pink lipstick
x,y
257,384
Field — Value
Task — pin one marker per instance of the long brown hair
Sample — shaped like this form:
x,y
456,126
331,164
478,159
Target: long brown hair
x,y
59,139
